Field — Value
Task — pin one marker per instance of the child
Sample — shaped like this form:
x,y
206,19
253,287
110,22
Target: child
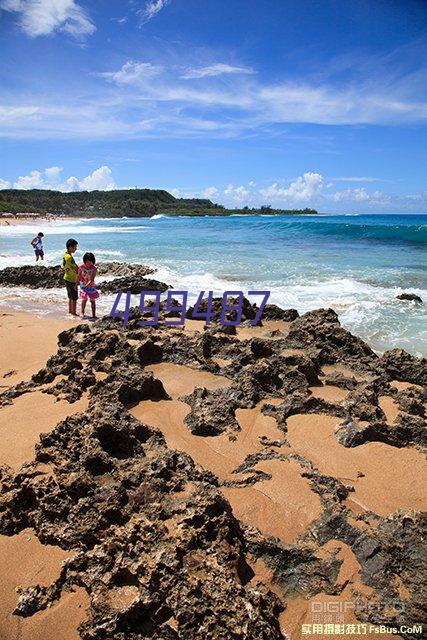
x,y
71,275
37,244
87,274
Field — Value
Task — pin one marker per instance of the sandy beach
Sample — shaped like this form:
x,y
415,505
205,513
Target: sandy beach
x,y
35,221
268,448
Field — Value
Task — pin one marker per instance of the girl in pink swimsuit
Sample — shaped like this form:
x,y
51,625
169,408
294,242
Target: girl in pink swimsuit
x,y
87,274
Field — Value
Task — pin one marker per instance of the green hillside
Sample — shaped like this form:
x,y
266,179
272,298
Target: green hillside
x,y
121,202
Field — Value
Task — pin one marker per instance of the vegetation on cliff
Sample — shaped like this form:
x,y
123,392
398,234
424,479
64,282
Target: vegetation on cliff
x,y
121,202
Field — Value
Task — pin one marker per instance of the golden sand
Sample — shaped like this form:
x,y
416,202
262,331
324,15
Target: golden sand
x,y
25,562
313,436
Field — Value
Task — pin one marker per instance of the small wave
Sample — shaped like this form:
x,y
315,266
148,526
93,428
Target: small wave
x,y
108,252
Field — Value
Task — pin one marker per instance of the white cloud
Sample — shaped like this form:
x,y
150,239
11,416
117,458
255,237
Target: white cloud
x,y
44,17
101,179
356,179
53,172
361,195
303,189
151,9
216,69
361,104
209,192
131,72
11,114
4,184
153,101
236,195
33,180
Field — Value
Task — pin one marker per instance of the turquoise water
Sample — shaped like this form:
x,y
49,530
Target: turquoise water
x,y
354,264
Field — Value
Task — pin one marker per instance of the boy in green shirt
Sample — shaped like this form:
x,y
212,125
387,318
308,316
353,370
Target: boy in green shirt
x,y
71,275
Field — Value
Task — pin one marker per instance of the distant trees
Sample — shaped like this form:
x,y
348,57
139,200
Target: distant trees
x,y
121,202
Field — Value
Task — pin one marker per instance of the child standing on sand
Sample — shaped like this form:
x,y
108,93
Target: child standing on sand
x,y
87,274
37,244
71,275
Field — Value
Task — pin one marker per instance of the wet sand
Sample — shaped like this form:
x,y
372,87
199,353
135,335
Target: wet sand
x,y
22,422
313,436
24,561
330,393
26,343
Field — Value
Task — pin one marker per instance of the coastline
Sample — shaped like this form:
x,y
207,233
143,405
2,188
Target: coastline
x,y
12,221
270,426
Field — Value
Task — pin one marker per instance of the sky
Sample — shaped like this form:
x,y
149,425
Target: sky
x,y
288,103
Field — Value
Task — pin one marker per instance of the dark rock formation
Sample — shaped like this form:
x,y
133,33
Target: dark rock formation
x,y
273,312
134,284
34,276
400,365
412,297
121,269
248,310
321,329
43,277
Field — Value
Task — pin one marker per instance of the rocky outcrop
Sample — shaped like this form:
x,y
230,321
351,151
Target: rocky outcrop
x,y
321,329
43,277
248,310
134,284
400,365
154,542
123,269
36,277
411,297
273,312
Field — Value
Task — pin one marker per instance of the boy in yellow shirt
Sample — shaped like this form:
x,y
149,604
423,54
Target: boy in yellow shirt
x,y
71,275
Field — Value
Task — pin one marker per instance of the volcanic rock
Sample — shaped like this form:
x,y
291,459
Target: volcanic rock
x,y
134,284
273,312
409,296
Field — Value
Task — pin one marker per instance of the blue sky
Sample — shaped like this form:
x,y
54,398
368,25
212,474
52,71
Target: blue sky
x,y
292,103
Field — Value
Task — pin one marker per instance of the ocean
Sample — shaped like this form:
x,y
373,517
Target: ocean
x,y
356,264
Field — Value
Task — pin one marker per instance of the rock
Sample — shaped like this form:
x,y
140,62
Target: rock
x,y
400,365
128,385
149,352
147,552
248,310
321,329
273,312
134,284
409,296
44,277
260,348
34,276
353,435
121,269
212,412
